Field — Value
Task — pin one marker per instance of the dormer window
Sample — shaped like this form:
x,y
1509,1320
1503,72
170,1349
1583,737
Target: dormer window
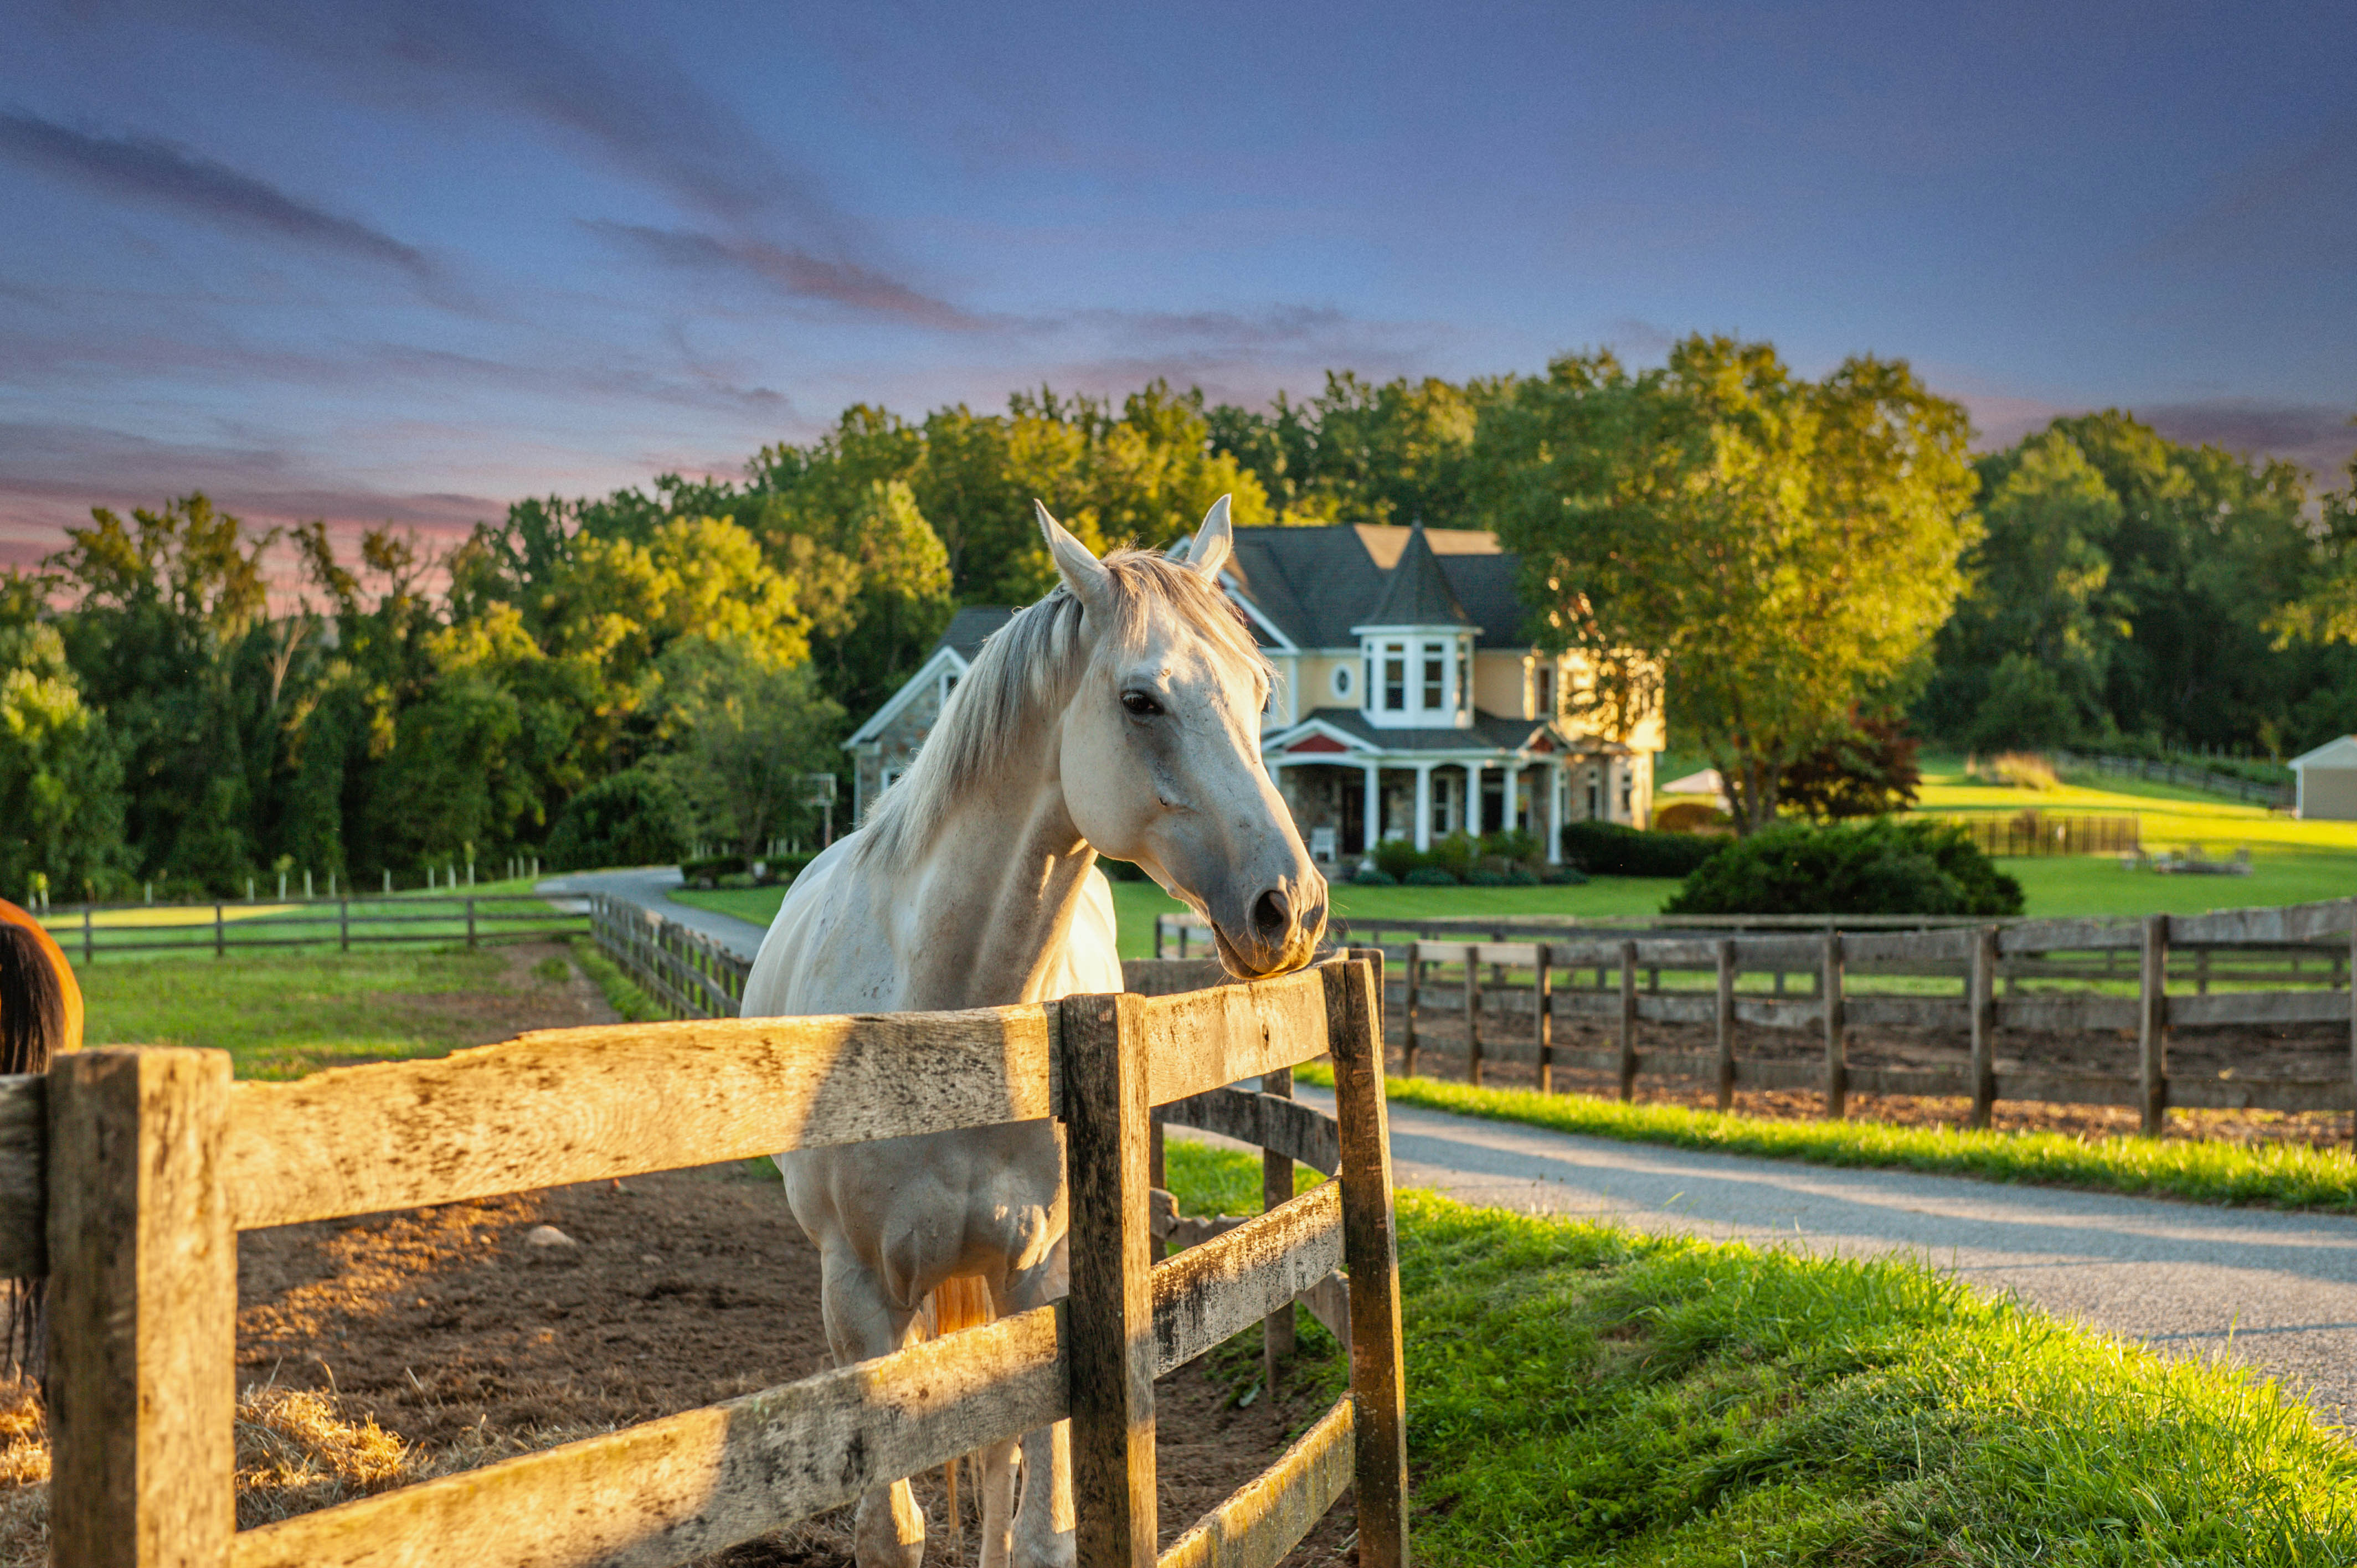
x,y
1435,677
1546,691
1394,677
1464,677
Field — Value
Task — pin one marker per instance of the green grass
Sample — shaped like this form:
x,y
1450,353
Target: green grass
x,y
1579,1394
2281,1176
621,993
282,1015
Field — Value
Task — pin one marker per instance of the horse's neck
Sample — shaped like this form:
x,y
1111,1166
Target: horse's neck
x,y
989,906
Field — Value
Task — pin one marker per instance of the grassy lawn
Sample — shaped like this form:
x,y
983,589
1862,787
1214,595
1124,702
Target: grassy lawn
x,y
1581,1394
283,1015
161,929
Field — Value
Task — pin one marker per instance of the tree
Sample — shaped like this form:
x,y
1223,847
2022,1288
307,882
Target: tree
x,y
748,730
1766,549
60,781
1867,771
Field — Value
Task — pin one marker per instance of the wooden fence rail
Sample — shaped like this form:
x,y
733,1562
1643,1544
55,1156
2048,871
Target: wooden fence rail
x,y
125,1174
2244,967
92,932
687,973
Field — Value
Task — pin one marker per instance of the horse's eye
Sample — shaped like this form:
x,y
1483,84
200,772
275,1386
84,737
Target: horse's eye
x,y
1139,704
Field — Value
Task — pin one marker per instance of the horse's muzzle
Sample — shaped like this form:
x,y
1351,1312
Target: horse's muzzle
x,y
1279,933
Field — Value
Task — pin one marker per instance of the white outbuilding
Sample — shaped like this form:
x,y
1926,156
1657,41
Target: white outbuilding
x,y
2328,781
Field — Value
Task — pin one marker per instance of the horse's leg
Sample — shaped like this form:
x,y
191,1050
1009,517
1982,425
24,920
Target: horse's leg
x,y
1043,1524
861,1324
996,1461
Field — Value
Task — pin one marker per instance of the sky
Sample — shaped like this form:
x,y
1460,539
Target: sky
x,y
411,260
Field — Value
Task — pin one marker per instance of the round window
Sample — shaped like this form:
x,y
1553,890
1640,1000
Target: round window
x,y
1341,679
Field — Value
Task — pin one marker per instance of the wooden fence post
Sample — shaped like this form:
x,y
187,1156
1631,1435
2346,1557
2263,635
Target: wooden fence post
x,y
1279,1329
344,923
1543,999
1407,1013
470,925
1725,1017
1836,1044
1371,1255
1473,1016
89,941
1628,1021
1110,1322
1981,1001
2152,1032
143,1311
220,932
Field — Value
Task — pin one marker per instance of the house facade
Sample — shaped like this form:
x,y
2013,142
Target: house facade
x,y
1407,705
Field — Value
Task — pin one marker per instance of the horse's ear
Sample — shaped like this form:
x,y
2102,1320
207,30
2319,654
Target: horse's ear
x,y
1214,541
1083,573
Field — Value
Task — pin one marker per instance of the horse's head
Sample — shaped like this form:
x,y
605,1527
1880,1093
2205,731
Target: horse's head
x,y
1161,748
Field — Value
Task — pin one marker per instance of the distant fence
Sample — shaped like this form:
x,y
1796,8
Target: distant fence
x,y
683,971
97,930
2042,834
2185,774
2243,967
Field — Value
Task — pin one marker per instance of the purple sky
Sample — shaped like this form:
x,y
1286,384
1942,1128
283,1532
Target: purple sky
x,y
382,260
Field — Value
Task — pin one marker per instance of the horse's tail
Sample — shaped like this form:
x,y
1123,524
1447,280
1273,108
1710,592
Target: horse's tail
x,y
962,1301
40,1016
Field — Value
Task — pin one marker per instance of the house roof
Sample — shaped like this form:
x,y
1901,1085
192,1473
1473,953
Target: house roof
x,y
1416,592
1491,731
969,627
2341,753
1314,584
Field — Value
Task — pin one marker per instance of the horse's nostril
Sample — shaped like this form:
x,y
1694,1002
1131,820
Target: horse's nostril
x,y
1272,915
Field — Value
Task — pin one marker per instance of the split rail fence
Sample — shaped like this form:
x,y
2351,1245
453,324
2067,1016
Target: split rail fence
x,y
2245,967
683,971
100,930
127,1173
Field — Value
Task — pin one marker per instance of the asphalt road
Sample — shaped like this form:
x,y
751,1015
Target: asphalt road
x,y
2276,1293
649,887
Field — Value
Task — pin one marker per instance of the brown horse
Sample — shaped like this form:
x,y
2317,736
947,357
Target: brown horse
x,y
40,1015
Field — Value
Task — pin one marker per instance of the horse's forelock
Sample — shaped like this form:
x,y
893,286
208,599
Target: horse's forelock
x,y
1027,668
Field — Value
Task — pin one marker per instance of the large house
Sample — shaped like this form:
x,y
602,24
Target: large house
x,y
1407,703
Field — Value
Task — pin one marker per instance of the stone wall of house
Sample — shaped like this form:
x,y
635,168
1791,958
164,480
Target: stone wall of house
x,y
894,746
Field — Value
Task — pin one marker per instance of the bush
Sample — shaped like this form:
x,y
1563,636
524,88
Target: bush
x,y
1396,857
630,819
1613,849
1428,877
1375,876
1515,845
1481,877
1888,866
1524,877
1454,855
1688,816
786,867
712,868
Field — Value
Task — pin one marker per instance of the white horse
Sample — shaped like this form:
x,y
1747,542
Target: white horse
x,y
1118,716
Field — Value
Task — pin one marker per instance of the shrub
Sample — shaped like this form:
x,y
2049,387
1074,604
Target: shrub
x,y
1888,866
786,867
712,868
1375,876
1524,877
1515,845
1481,877
1396,857
1428,877
1688,816
2014,770
630,819
1454,855
1613,849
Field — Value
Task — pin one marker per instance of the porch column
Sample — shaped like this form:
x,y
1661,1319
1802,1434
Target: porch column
x,y
1424,805
1513,806
1473,771
1372,821
1554,813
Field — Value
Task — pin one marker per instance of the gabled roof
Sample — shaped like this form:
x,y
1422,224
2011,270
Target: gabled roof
x,y
1490,732
1416,592
969,627
2341,753
1314,584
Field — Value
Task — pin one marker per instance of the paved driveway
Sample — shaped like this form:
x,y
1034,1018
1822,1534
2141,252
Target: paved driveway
x,y
2272,1292
649,887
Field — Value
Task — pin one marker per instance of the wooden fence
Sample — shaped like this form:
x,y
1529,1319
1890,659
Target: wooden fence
x,y
683,971
98,931
2247,967
2189,776
127,1173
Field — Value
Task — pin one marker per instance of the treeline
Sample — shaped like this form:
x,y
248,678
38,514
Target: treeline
x,y
188,702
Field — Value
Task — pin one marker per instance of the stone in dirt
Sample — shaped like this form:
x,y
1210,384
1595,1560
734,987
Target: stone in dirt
x,y
547,1236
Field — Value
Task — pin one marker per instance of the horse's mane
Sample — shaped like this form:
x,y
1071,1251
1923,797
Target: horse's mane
x,y
1027,668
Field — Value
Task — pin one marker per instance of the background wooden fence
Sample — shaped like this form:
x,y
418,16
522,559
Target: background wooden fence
x,y
687,973
2050,833
125,1174
93,931
1515,980
2188,774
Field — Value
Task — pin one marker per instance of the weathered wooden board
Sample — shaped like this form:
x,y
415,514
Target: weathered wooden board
x,y
2295,923
2262,1093
2066,1013
1257,1525
1872,1012
23,1175
1795,954
2259,1008
1168,976
1231,1282
660,1493
1202,1039
1515,955
1286,1126
569,1105
2069,936
1906,947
